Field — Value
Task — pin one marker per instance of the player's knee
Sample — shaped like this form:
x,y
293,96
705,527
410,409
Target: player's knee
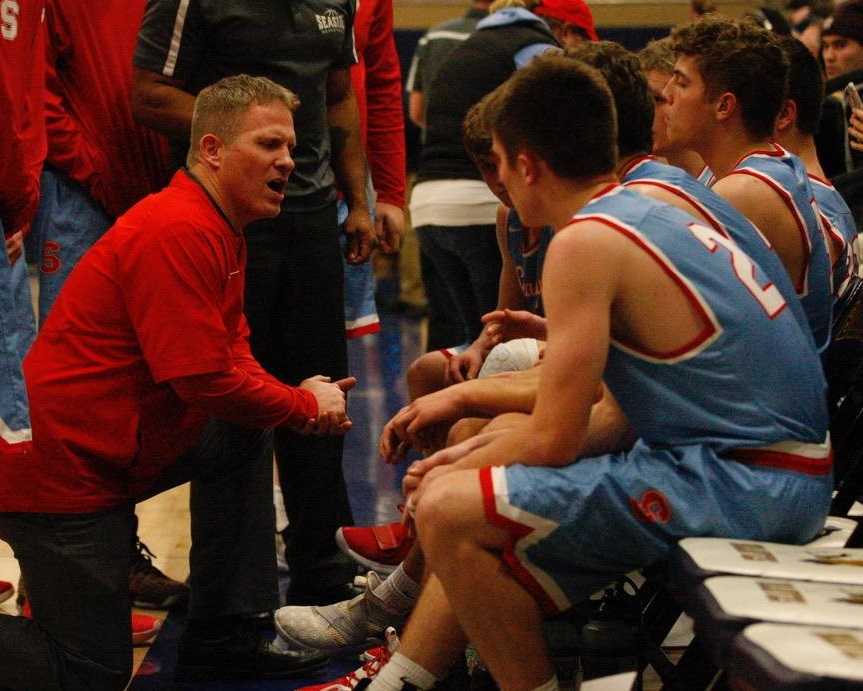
x,y
426,374
440,511
464,429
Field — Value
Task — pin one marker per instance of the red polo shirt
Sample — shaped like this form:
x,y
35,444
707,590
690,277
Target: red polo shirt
x,y
156,301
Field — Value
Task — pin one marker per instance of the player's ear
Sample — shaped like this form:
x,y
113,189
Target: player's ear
x,y
210,150
725,106
787,116
528,165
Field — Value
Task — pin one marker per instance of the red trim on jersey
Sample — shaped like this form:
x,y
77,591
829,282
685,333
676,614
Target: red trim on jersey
x,y
708,332
786,198
363,330
517,531
605,190
819,179
637,161
784,461
775,151
683,194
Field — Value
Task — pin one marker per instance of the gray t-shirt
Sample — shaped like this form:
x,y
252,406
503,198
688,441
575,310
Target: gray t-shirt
x,y
296,44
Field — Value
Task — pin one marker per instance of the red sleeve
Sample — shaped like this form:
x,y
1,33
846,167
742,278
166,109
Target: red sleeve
x,y
237,396
386,125
22,122
68,148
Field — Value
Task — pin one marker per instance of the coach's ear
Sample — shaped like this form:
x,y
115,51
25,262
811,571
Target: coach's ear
x,y
210,151
726,106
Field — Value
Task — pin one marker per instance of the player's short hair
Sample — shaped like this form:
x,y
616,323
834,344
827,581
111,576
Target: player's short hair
x,y
561,110
632,98
657,56
742,58
220,106
476,132
805,85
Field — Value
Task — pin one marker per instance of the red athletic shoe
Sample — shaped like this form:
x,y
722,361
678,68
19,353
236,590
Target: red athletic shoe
x,y
144,627
7,590
374,659
379,547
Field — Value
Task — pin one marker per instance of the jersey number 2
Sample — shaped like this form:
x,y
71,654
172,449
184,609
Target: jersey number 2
x,y
768,295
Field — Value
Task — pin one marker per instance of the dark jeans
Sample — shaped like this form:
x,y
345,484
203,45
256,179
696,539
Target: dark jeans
x,y
77,567
296,311
467,262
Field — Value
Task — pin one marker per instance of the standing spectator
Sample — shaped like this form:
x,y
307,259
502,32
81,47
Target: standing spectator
x,y
376,80
294,295
100,161
570,22
842,52
22,148
452,209
431,52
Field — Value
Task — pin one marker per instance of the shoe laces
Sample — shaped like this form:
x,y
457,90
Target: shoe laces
x,y
375,659
144,559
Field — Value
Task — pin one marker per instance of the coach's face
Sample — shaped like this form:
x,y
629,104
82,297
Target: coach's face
x,y
256,164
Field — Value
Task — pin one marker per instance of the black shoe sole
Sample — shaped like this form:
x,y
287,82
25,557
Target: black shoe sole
x,y
194,673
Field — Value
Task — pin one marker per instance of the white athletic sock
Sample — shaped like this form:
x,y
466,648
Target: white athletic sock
x,y
400,670
399,591
551,685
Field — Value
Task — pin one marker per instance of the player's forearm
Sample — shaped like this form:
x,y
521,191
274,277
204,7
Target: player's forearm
x,y
513,392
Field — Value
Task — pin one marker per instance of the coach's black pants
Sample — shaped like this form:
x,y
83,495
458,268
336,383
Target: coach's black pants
x,y
77,567
296,312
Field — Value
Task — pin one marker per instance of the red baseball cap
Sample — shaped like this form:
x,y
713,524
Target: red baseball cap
x,y
575,12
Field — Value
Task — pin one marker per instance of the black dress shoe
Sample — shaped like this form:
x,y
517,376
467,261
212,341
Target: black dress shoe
x,y
240,653
322,596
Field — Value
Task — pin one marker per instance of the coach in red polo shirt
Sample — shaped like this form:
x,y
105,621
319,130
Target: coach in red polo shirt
x,y
139,373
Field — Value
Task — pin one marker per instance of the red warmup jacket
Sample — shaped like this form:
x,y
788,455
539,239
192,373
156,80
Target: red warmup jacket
x,y
22,130
92,136
377,82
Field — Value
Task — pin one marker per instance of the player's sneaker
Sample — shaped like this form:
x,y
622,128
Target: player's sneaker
x,y
149,587
353,623
7,590
379,547
372,659
144,628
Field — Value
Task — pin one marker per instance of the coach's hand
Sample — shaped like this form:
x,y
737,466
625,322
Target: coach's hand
x,y
332,414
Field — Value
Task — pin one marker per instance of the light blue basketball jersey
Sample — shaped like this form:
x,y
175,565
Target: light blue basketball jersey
x,y
724,218
706,177
751,378
527,260
786,174
838,223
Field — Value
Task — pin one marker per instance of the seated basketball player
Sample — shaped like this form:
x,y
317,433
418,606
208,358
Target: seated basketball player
x,y
795,130
725,401
659,311
729,85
